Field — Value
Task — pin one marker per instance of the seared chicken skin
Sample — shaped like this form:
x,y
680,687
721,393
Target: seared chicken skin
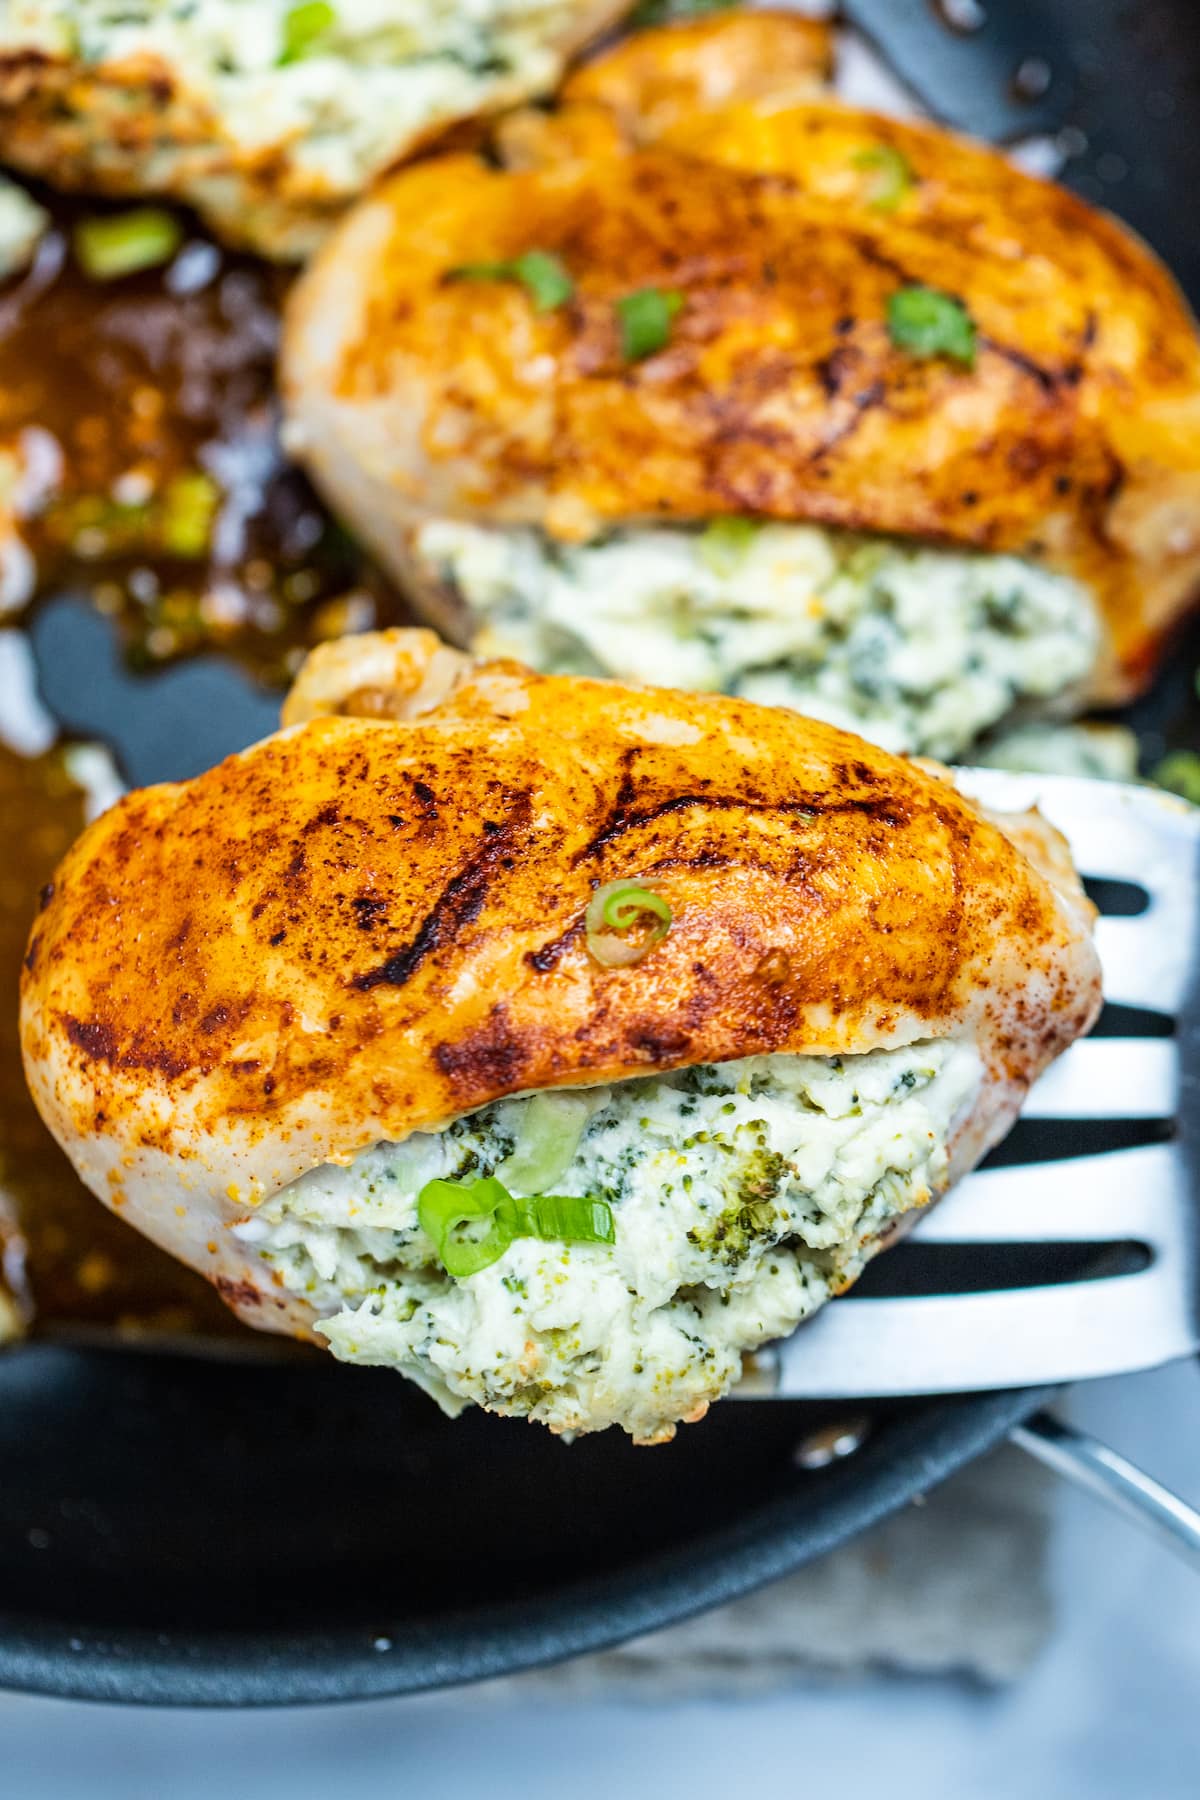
x,y
268,118
541,481
268,1012
640,88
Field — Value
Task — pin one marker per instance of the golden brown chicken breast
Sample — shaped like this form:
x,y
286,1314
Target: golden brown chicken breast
x,y
641,87
552,1041
268,118
794,401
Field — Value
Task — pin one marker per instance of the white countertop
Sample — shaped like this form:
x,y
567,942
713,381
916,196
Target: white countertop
x,y
1110,1712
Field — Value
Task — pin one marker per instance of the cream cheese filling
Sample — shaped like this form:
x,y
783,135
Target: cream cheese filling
x,y
274,106
743,1195
922,650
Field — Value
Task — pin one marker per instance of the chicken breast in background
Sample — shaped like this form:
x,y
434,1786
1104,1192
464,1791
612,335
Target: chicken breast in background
x,y
269,119
639,88
686,1003
906,439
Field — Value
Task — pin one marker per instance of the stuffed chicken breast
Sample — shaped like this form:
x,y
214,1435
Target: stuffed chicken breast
x,y
552,1041
781,398
269,117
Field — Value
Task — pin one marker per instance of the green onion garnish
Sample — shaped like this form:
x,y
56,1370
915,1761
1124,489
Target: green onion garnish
x,y
623,921
116,244
1180,772
543,276
189,508
645,319
303,26
661,12
724,545
565,1219
894,176
551,1127
927,323
447,1209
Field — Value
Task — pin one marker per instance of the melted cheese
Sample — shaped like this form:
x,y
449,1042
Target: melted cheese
x,y
922,650
743,1195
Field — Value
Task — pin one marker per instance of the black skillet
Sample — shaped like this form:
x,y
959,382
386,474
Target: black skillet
x,y
181,1529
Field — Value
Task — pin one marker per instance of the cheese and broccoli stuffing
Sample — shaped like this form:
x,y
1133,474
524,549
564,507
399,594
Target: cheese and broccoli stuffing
x,y
922,650
742,1196
268,117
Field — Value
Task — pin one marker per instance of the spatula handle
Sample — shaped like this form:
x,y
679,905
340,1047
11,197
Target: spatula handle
x,y
1092,1465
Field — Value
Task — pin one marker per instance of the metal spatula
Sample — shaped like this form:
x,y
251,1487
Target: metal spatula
x,y
1076,1253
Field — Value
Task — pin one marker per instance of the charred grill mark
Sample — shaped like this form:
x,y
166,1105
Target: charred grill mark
x,y
460,901
704,859
625,796
887,809
834,370
665,1044
491,1056
870,252
98,1041
369,911
551,953
862,403
1047,379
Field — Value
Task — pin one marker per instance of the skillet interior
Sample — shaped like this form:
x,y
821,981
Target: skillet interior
x,y
177,1529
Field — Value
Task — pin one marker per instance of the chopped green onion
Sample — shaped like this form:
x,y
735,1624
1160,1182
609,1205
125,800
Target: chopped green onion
x,y
483,271
303,27
447,1208
551,1127
895,178
644,320
928,323
543,276
625,906
612,914
662,12
116,244
565,1219
444,1208
189,508
1180,772
724,545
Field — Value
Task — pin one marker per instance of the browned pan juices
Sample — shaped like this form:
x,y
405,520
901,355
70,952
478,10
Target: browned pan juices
x,y
62,1256
149,381
136,383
